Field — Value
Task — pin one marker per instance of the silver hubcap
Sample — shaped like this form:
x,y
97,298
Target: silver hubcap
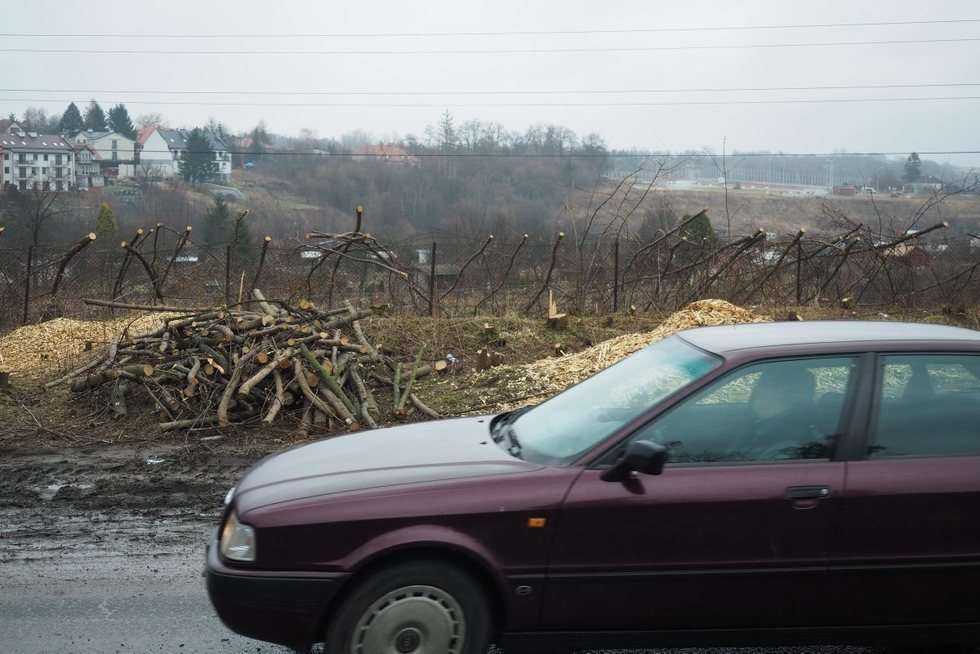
x,y
411,620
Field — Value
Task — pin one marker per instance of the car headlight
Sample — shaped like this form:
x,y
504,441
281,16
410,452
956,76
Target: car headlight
x,y
237,540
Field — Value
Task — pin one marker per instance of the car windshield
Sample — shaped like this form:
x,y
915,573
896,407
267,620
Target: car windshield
x,y
564,427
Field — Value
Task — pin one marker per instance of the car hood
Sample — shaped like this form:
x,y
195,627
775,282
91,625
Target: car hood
x,y
411,454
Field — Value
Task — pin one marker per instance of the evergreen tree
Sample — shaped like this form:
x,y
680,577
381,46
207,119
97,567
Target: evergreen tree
x,y
71,120
241,241
120,122
699,231
198,164
217,222
260,138
447,132
95,117
913,168
105,223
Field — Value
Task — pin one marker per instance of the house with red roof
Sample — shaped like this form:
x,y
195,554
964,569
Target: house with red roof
x,y
387,152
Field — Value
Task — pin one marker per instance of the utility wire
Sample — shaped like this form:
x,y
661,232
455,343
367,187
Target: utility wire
x,y
573,155
730,89
492,51
459,105
362,35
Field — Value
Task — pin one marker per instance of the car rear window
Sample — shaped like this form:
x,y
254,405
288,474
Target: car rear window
x,y
928,405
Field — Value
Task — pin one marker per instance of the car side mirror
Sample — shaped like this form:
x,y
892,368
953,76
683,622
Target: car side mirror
x,y
645,457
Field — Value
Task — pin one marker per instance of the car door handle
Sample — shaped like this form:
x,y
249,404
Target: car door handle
x,y
802,493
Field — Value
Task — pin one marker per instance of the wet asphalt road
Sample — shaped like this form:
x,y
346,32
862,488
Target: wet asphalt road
x,y
102,552
132,588
117,581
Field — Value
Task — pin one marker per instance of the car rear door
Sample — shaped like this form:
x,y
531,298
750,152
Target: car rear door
x,y
906,547
733,534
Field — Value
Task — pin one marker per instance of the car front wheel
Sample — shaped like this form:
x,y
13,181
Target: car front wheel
x,y
412,608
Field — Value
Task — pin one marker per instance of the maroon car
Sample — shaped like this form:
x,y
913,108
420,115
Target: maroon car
x,y
783,483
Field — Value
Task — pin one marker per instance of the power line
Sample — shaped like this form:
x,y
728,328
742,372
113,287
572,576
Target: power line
x,y
628,30
492,51
574,155
459,105
731,89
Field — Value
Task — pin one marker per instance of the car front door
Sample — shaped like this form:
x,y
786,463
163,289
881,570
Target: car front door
x,y
907,546
734,533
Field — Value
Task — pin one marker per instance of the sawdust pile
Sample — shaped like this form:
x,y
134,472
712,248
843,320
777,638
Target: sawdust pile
x,y
518,385
35,352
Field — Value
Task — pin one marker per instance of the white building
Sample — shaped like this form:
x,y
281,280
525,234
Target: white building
x,y
160,151
111,147
88,172
35,161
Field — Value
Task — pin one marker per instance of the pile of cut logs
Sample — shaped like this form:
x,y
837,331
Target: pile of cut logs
x,y
261,362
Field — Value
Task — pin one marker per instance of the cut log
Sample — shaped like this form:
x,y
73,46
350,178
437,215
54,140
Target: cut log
x,y
277,401
327,379
226,397
117,400
422,407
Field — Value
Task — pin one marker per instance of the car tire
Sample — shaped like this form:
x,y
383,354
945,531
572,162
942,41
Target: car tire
x,y
414,607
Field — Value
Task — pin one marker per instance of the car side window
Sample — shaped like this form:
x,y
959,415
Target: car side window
x,y
928,405
771,411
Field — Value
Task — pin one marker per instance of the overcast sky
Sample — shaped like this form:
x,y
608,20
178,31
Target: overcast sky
x,y
858,126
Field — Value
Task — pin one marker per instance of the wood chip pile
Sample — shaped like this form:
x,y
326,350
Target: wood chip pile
x,y
512,386
53,347
301,367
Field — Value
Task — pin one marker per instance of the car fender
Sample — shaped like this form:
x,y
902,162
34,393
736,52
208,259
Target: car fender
x,y
430,538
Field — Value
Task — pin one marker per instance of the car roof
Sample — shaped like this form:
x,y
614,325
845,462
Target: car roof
x,y
729,338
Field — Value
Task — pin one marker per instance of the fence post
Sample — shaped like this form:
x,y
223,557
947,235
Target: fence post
x,y
432,281
27,283
616,275
799,272
227,275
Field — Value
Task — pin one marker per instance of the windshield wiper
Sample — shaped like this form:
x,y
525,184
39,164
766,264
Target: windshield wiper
x,y
504,426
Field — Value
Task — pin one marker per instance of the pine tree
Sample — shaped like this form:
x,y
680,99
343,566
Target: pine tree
x,y
71,120
700,236
217,222
447,132
260,138
120,122
105,223
95,117
240,237
913,168
197,164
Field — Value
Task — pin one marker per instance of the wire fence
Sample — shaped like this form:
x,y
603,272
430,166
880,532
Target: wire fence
x,y
596,272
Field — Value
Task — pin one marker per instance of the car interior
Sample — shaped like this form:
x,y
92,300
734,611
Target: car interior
x,y
776,413
932,394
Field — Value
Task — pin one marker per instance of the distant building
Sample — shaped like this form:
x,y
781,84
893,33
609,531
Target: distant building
x,y
88,172
911,255
112,151
158,149
389,153
161,149
35,161
925,185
